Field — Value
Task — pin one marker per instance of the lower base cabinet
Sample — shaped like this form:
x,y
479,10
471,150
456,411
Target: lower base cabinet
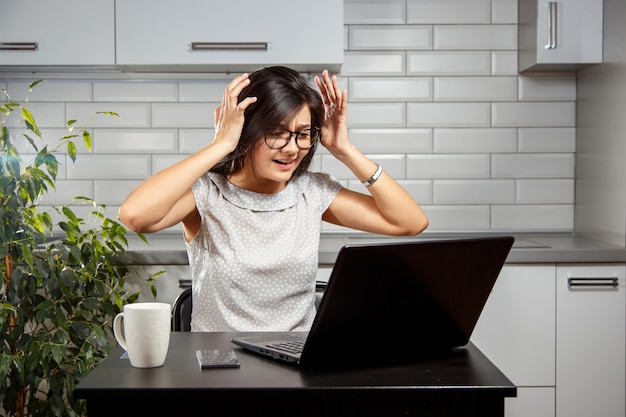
x,y
591,341
558,331
516,331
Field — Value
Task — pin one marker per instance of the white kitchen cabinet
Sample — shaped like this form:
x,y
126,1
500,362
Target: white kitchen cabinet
x,y
516,331
591,334
235,35
57,33
561,36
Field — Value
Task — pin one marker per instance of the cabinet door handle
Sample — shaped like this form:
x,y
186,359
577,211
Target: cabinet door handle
x,y
19,46
612,282
552,15
229,46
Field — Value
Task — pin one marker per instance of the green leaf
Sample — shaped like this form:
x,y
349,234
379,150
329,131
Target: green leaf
x,y
71,150
27,254
34,84
87,139
30,121
108,113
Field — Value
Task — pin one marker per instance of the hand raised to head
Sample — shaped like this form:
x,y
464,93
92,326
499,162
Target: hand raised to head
x,y
229,115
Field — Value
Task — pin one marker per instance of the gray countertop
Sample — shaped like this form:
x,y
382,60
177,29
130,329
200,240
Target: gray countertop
x,y
169,248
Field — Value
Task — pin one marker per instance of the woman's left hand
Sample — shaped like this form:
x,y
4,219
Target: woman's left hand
x,y
335,127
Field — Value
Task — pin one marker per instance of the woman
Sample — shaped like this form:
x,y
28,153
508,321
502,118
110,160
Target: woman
x,y
250,209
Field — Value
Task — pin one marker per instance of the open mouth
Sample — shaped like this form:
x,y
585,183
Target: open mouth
x,y
284,162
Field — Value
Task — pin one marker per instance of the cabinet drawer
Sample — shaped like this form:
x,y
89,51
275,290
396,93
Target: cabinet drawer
x,y
52,33
195,35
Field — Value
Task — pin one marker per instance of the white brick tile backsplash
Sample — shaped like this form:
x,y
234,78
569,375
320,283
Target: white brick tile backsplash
x,y
390,89
547,88
66,191
534,114
374,63
549,139
533,217
448,63
545,191
434,97
50,90
447,166
466,141
377,115
448,114
50,137
394,165
374,11
475,37
473,192
420,190
114,191
45,114
504,11
135,91
135,141
533,166
475,88
392,140
106,167
504,63
192,140
390,37
448,11
130,114
202,91
179,115
458,217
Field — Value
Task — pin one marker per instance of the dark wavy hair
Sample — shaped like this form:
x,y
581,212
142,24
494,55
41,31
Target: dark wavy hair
x,y
281,92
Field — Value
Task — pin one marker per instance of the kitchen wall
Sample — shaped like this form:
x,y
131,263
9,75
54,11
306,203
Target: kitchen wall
x,y
434,97
601,143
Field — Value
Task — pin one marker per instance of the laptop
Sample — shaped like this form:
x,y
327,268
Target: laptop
x,y
391,303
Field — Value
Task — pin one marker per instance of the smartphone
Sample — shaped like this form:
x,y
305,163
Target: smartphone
x,y
217,358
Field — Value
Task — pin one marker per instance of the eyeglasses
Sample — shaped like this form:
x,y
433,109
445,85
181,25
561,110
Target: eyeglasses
x,y
279,138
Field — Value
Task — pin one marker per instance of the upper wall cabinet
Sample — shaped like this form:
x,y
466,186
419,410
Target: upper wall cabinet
x,y
224,36
559,36
57,33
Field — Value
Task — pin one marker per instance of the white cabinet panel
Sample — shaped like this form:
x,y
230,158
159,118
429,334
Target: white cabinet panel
x,y
591,353
516,329
531,402
57,33
563,35
197,35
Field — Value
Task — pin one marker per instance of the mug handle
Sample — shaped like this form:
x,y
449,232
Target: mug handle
x,y
118,332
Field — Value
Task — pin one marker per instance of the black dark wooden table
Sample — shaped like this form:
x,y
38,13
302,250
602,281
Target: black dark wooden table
x,y
461,382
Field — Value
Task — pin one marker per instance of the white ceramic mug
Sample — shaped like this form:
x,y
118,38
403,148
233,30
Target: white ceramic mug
x,y
143,330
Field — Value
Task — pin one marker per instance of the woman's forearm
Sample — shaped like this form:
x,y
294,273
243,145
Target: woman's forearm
x,y
158,202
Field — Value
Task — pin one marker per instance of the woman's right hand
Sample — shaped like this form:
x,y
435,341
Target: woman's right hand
x,y
229,115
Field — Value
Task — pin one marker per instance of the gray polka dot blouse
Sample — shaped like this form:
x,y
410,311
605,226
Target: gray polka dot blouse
x,y
254,260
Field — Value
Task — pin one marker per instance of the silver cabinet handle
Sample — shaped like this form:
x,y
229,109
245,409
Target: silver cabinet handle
x,y
19,46
552,15
229,46
612,282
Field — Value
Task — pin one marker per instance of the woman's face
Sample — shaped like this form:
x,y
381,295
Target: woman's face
x,y
269,170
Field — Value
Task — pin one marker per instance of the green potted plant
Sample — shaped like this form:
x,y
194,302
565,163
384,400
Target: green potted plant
x,y
62,281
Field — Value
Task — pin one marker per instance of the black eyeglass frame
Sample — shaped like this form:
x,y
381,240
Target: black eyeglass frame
x,y
318,133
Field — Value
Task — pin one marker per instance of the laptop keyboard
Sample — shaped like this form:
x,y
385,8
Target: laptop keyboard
x,y
289,347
